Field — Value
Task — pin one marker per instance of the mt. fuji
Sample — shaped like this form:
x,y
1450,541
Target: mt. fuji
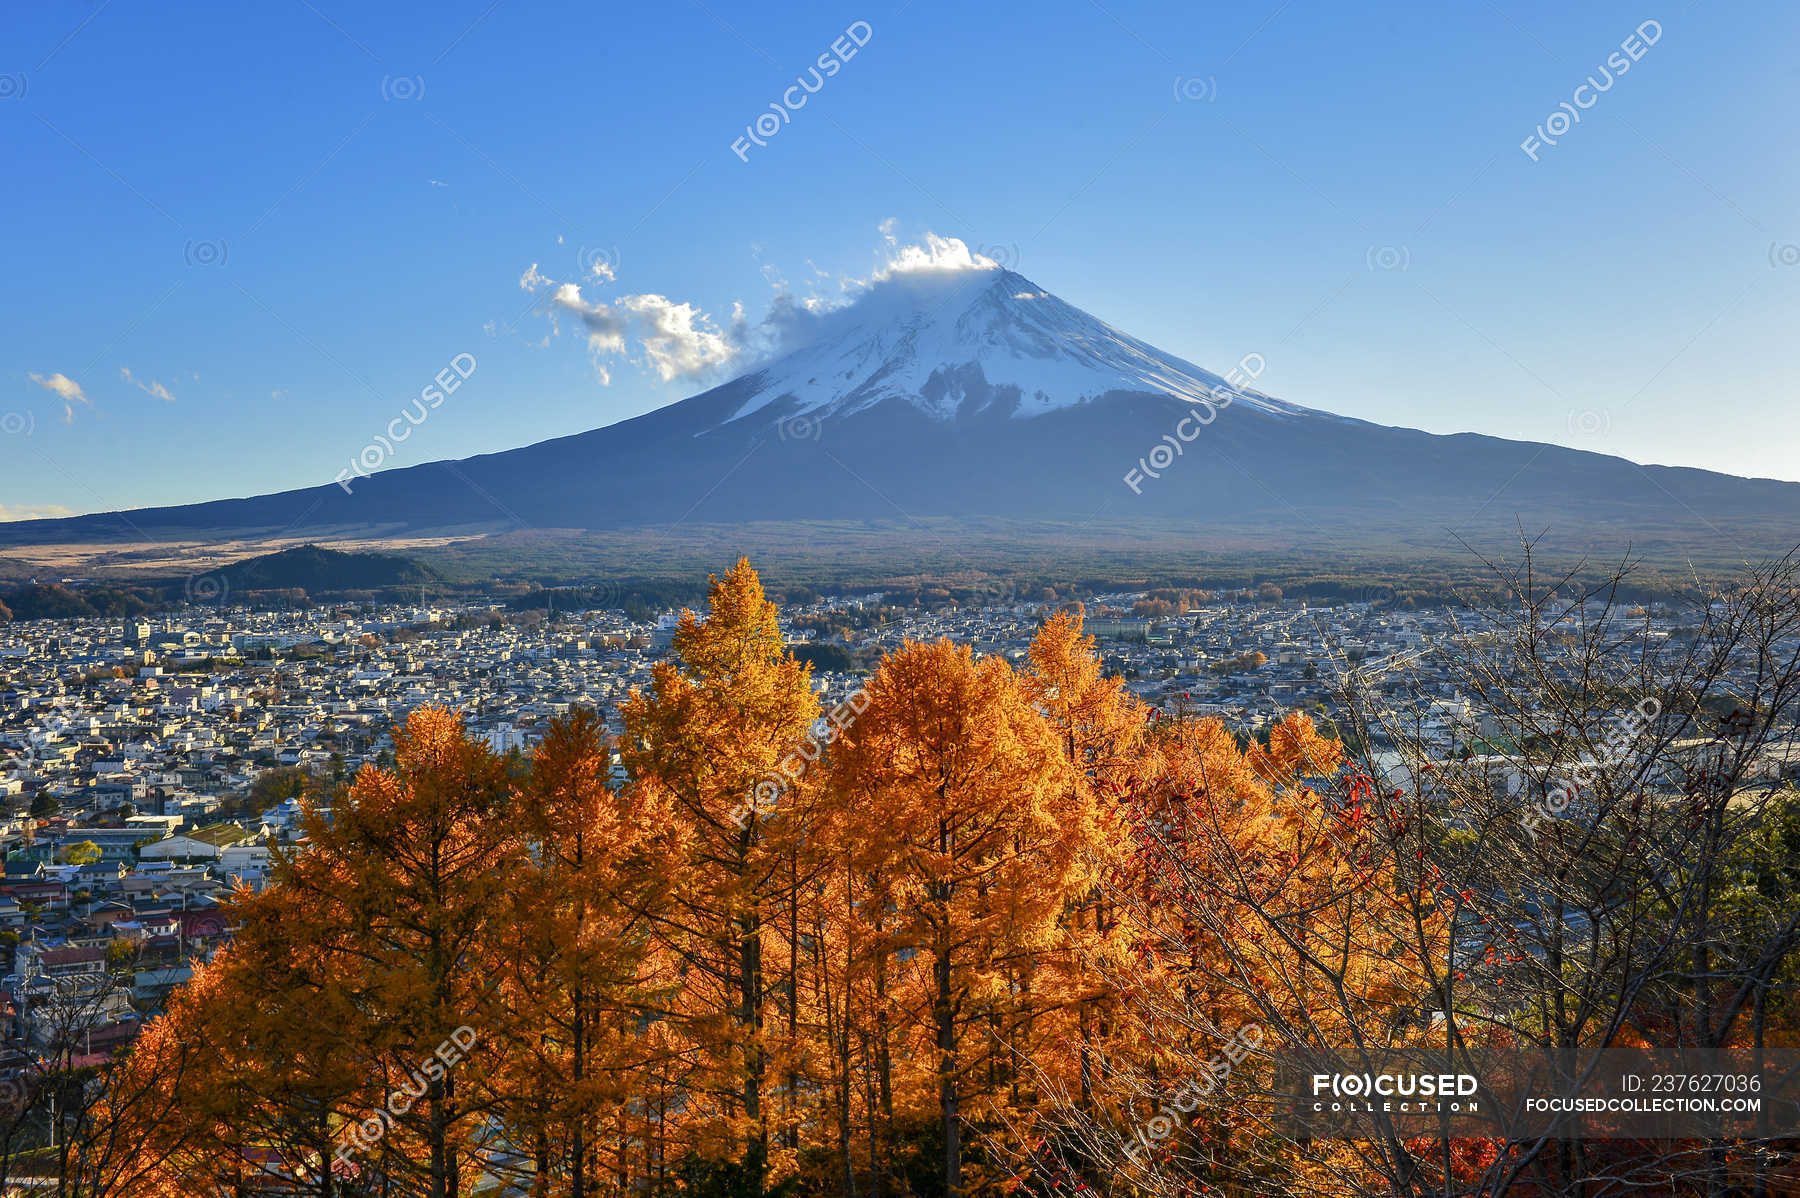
x,y
950,343
975,394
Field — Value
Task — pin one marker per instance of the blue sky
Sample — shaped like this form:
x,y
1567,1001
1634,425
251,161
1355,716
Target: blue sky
x,y
289,215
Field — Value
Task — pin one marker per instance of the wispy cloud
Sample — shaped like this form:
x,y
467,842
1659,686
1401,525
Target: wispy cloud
x,y
153,387
605,328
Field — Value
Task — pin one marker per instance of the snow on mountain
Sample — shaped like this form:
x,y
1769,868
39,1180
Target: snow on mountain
x,y
945,340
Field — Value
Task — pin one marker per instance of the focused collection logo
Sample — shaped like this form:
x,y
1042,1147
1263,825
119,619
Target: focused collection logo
x,y
1417,1092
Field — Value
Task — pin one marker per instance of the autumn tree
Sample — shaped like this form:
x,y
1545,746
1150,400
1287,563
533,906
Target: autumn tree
x,y
284,1052
83,852
989,929
710,737
580,964
1100,728
966,793
85,1125
122,1131
1277,916
407,883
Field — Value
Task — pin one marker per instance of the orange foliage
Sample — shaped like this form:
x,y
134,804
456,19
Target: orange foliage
x,y
987,893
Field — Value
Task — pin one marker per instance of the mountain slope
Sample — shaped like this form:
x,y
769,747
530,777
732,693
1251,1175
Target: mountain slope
x,y
978,394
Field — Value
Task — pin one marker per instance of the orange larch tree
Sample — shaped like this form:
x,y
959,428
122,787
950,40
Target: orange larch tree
x,y
710,737
408,883
579,961
1101,730
1274,896
964,791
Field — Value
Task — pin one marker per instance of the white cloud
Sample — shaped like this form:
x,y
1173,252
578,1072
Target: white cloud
x,y
605,328
795,320
153,388
934,254
33,511
65,388
937,253
678,340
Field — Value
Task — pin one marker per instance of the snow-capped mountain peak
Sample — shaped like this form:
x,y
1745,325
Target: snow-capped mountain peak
x,y
954,342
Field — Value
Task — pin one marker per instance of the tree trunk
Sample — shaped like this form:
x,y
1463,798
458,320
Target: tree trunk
x,y
946,1043
756,1148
